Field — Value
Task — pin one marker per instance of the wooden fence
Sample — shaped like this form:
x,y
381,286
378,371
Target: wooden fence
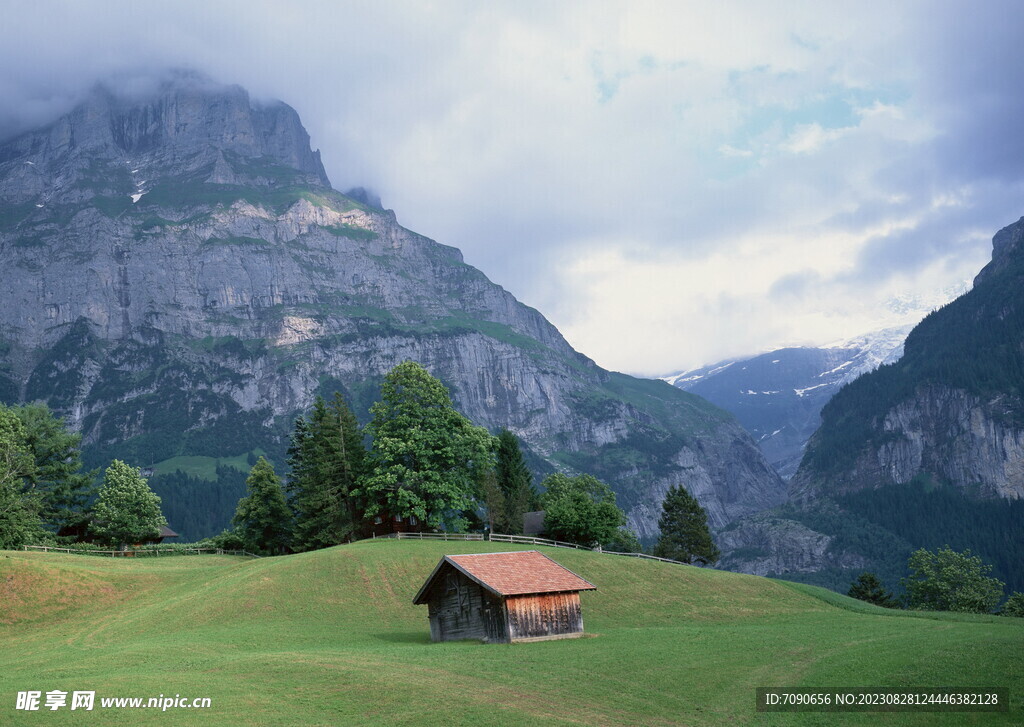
x,y
131,553
492,537
531,540
522,540
436,536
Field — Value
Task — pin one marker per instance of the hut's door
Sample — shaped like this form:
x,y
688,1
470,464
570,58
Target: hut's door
x,y
494,620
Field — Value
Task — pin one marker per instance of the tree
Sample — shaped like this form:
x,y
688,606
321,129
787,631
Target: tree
x,y
19,507
427,459
262,519
493,500
684,530
869,588
1014,605
624,540
327,461
516,484
63,489
580,510
126,511
949,581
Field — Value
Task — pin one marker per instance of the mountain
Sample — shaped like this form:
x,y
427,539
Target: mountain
x,y
950,410
180,280
778,396
922,452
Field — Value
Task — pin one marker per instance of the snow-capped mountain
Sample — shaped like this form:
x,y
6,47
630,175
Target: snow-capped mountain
x,y
778,396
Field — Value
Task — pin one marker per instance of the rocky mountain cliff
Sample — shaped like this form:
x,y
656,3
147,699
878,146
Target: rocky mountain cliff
x,y
923,452
180,279
951,409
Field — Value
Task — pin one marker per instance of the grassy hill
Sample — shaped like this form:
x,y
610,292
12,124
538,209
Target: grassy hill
x,y
331,638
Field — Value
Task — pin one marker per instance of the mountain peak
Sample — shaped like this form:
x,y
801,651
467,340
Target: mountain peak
x,y
177,124
1005,245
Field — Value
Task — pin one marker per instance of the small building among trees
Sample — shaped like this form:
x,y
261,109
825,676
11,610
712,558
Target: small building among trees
x,y
165,532
503,598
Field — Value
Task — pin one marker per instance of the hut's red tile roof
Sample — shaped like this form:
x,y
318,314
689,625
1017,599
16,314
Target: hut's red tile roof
x,y
518,573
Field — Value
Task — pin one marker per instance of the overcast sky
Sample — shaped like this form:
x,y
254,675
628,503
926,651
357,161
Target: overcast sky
x,y
670,183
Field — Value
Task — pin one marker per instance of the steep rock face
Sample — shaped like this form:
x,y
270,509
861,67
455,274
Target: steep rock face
x,y
952,435
182,280
765,544
952,409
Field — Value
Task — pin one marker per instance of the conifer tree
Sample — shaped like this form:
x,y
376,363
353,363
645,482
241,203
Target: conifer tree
x,y
127,511
493,500
262,519
427,459
684,530
64,490
869,588
327,460
516,483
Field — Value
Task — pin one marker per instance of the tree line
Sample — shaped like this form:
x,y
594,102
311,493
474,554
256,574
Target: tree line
x,y
426,466
429,467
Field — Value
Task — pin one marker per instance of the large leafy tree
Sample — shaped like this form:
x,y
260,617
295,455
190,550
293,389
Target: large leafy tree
x,y
64,490
262,519
515,481
580,510
869,588
684,530
327,459
427,459
19,506
126,511
950,581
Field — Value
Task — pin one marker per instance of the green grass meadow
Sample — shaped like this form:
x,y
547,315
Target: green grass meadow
x,y
332,638
203,467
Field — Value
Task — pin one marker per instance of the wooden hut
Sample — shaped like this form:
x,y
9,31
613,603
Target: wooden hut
x,y
503,598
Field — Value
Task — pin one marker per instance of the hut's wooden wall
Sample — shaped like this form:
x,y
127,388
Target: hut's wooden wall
x,y
544,616
461,609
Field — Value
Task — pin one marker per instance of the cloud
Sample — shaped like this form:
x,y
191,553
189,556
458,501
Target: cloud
x,y
670,183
